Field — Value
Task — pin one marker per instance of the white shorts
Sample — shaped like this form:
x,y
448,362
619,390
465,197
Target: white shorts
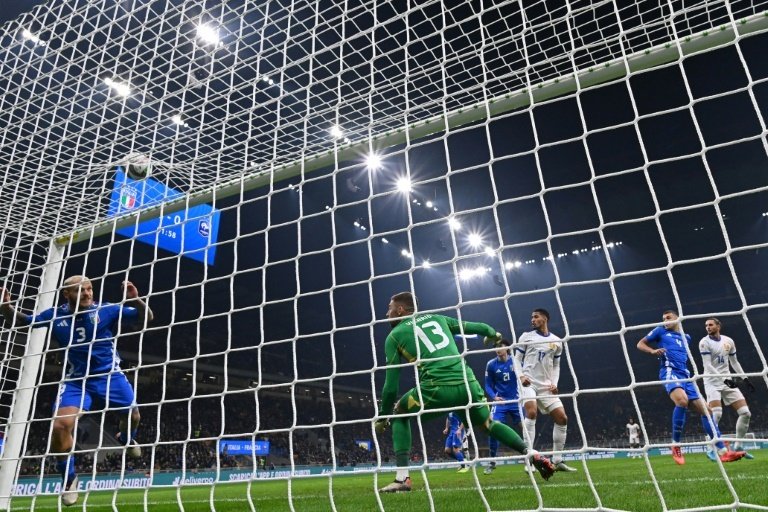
x,y
727,396
634,440
547,402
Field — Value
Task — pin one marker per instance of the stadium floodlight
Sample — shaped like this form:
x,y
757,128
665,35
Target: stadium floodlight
x,y
336,132
384,240
466,274
454,224
426,264
207,34
429,204
373,162
404,185
120,88
29,36
475,240
489,251
518,264
509,265
405,253
178,120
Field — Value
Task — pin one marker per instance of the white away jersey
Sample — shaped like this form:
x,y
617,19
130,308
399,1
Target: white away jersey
x,y
634,430
716,352
537,357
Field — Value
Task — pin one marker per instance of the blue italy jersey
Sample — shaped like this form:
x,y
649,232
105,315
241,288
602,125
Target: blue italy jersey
x,y
90,337
500,379
675,345
453,423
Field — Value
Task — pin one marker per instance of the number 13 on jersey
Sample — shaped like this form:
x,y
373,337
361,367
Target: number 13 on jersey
x,y
436,334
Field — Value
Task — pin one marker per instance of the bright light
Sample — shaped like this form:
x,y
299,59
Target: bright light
x,y
466,274
29,36
120,88
489,251
178,120
208,34
336,132
405,253
404,185
454,224
385,240
518,264
509,265
426,264
609,245
475,240
373,162
429,204
357,224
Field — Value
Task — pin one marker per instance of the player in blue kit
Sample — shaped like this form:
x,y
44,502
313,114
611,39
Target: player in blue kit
x,y
454,439
86,330
501,386
672,350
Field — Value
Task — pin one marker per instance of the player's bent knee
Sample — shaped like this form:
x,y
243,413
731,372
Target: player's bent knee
x,y
744,411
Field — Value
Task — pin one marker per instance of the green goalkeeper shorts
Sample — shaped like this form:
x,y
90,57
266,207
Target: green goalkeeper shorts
x,y
454,397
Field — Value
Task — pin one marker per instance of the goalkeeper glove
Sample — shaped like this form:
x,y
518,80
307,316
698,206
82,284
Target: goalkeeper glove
x,y
491,341
733,383
381,425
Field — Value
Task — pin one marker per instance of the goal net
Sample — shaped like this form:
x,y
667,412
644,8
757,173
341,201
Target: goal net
x,y
605,161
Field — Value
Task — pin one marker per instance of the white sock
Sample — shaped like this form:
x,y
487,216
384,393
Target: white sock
x,y
742,424
530,431
717,413
558,441
401,475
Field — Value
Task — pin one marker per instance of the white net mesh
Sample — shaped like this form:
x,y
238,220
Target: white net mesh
x,y
602,160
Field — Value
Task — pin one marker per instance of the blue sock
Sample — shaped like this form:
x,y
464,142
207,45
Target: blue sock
x,y
124,439
65,471
712,433
493,446
459,456
678,423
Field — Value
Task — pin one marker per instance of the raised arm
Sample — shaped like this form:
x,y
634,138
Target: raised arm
x,y
643,346
11,314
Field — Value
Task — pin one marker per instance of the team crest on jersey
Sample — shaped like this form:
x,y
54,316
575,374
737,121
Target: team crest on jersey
x,y
553,346
727,347
94,318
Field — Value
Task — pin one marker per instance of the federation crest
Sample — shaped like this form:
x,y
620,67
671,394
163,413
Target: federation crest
x,y
204,227
553,346
94,318
727,347
128,196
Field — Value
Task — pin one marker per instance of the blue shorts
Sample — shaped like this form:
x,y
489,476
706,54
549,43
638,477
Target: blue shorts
x,y
673,379
453,440
506,411
111,391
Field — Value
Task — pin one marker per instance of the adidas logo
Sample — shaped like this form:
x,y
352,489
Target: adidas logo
x,y
498,371
63,323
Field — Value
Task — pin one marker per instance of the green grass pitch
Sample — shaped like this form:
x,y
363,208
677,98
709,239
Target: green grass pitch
x,y
621,484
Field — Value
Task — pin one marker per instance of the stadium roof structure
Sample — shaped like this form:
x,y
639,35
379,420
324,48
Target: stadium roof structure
x,y
269,89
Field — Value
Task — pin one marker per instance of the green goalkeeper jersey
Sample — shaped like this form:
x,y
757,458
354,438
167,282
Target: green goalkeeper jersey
x,y
428,340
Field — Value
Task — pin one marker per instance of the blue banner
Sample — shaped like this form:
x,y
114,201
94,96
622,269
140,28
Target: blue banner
x,y
243,447
191,232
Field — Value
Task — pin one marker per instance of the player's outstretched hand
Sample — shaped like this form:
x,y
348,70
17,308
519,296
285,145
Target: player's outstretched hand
x,y
130,290
491,341
381,425
733,382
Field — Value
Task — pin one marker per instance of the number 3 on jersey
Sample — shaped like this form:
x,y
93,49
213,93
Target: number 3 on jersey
x,y
437,331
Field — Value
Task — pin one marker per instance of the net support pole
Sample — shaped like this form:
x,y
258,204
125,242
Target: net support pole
x,y
30,368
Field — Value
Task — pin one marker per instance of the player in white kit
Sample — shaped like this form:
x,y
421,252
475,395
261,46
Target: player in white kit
x,y
633,430
718,353
537,364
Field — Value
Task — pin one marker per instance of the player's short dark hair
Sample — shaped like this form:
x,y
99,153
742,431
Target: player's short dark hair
x,y
543,312
504,343
674,312
405,299
716,320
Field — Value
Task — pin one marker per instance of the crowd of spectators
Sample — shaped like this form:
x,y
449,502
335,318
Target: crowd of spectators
x,y
180,428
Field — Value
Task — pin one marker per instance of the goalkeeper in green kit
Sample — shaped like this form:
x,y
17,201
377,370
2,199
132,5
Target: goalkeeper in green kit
x,y
444,382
